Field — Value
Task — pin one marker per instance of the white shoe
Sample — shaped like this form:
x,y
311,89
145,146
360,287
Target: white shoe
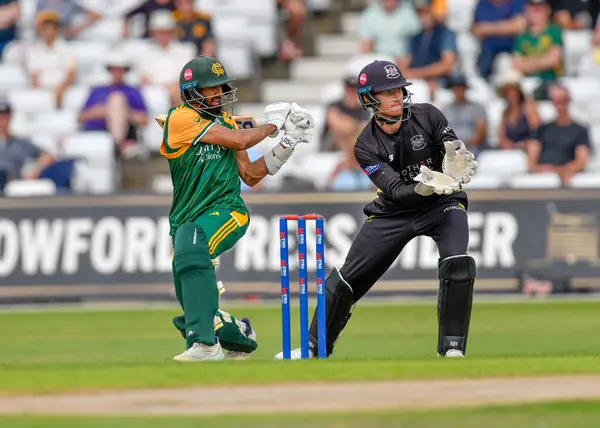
x,y
453,353
201,352
250,334
296,354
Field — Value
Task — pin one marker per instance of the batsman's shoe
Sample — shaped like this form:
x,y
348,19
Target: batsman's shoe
x,y
453,353
250,333
296,354
201,352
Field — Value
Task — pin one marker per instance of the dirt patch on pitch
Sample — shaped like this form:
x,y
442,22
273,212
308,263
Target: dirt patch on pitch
x,y
311,397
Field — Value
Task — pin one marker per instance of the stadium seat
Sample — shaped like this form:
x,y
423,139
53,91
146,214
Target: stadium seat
x,y
75,98
134,49
502,163
494,111
20,125
420,91
480,181
32,100
460,14
332,92
576,44
48,143
589,180
156,99
238,59
545,180
29,188
582,89
57,123
316,167
546,110
108,29
162,184
152,135
14,53
90,53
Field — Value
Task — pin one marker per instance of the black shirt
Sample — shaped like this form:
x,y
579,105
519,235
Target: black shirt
x,y
559,142
392,161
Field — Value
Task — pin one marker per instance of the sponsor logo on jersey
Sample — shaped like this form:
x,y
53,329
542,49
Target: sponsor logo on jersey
x,y
447,129
391,71
391,158
418,142
371,169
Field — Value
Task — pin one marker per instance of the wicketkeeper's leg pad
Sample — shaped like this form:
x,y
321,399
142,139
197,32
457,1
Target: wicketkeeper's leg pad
x,y
339,303
455,299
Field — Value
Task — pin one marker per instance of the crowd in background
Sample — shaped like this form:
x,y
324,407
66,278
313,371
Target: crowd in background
x,y
517,39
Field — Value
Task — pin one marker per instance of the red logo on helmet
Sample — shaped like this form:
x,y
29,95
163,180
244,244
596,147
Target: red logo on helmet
x,y
363,78
187,74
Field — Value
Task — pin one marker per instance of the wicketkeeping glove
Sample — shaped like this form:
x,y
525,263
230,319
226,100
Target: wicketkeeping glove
x,y
431,182
459,162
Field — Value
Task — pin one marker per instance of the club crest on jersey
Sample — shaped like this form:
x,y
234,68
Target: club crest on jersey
x,y
418,142
371,169
218,69
391,71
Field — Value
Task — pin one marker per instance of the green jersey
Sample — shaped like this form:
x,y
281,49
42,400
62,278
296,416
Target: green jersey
x,y
204,176
530,45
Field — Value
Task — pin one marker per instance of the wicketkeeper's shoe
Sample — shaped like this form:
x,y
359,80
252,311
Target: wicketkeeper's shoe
x,y
201,352
296,354
454,353
250,333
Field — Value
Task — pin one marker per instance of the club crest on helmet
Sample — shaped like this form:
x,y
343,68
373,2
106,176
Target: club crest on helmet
x,y
391,71
217,68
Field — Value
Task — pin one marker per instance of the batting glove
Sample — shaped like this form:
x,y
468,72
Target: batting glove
x,y
277,114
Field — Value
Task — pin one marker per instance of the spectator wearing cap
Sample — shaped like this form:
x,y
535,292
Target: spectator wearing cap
x,y
496,24
520,117
73,15
50,62
146,10
9,14
295,16
194,26
433,53
387,26
117,108
162,63
538,51
18,158
467,118
561,146
345,118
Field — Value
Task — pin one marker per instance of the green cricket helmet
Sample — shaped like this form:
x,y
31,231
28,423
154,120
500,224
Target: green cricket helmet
x,y
206,72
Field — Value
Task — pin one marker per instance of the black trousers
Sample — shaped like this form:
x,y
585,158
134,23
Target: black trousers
x,y
381,239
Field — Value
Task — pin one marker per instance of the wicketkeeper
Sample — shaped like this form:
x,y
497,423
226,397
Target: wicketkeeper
x,y
410,152
207,156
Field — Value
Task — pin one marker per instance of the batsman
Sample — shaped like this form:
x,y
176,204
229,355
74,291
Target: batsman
x,y
207,156
411,153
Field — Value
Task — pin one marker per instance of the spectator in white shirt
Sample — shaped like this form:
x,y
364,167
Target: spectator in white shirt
x,y
163,61
50,62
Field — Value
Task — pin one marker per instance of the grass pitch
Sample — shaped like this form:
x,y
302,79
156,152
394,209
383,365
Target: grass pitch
x,y
46,352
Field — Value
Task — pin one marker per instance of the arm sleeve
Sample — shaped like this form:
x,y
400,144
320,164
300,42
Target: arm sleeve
x,y
556,35
584,138
449,42
382,174
366,29
441,131
32,150
518,7
478,16
136,101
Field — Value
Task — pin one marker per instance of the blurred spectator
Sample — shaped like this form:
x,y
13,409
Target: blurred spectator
x,y
348,175
18,158
467,118
573,14
295,11
345,119
520,117
163,61
433,52
70,13
50,62
387,26
145,10
9,13
538,51
561,146
496,23
117,108
195,27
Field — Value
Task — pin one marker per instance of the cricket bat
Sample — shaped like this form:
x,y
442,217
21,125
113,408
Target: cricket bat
x,y
243,122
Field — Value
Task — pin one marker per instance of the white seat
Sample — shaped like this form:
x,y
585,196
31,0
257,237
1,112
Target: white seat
x,y
420,91
576,45
494,111
75,98
237,58
357,62
134,49
589,180
231,28
47,143
58,123
109,29
264,38
546,110
152,135
14,53
582,89
480,181
96,172
90,52
316,167
502,163
332,92
20,125
460,14
156,99
544,180
29,188
32,100
162,184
